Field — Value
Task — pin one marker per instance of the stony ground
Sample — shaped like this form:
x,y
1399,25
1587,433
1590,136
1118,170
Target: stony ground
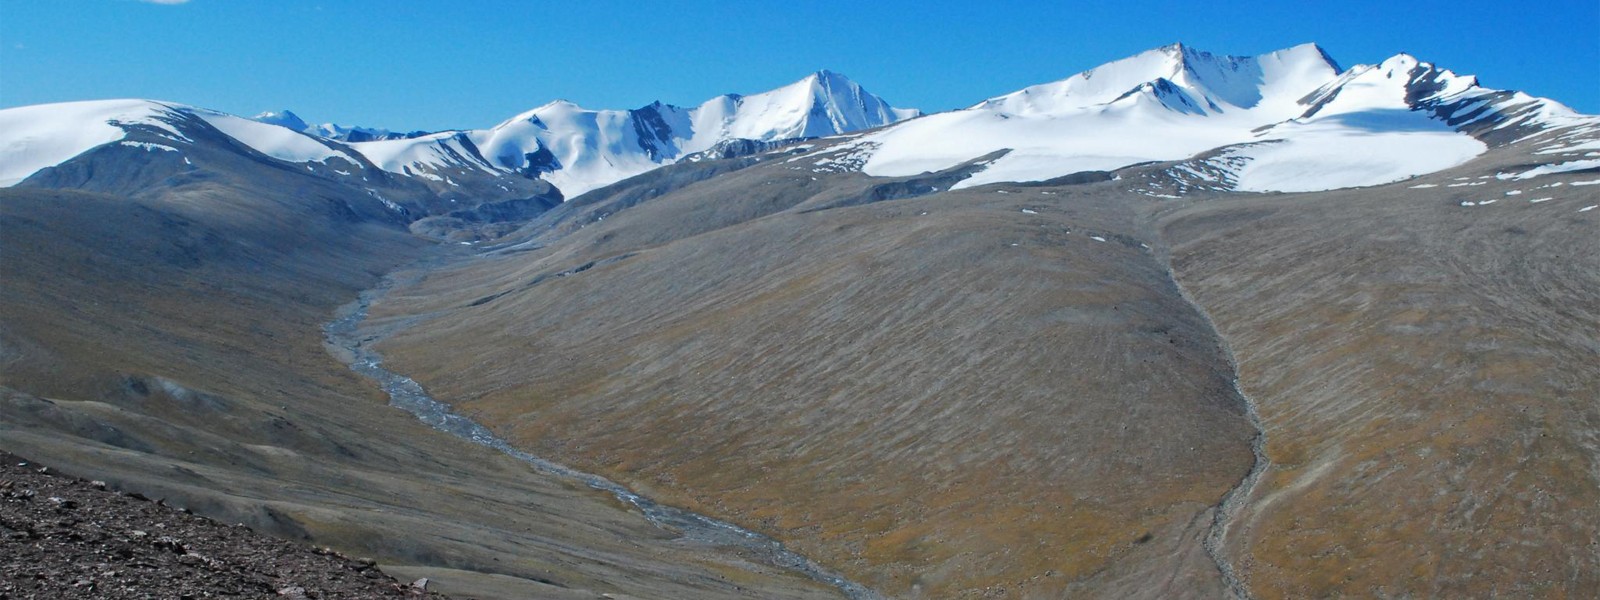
x,y
65,537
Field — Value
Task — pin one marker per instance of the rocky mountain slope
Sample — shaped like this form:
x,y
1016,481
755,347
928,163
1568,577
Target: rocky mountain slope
x,y
68,537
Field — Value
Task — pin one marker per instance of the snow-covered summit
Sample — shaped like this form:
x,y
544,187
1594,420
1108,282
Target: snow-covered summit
x,y
1215,83
823,103
284,118
579,149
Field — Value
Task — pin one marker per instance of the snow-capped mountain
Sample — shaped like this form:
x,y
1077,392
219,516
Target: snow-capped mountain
x,y
284,118
574,148
579,149
1288,120
332,131
144,147
36,137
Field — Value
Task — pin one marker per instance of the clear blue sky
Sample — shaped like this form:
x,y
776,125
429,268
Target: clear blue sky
x,y
471,63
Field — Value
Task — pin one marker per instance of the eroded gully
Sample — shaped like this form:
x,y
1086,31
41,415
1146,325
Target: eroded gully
x,y
1228,510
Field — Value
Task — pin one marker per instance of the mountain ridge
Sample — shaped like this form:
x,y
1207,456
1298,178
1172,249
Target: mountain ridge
x,y
575,148
333,131
1168,103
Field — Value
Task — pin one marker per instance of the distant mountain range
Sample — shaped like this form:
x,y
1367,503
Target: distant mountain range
x,y
1290,120
574,148
332,131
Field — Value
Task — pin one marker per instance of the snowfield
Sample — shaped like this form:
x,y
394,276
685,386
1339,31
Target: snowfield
x,y
1299,122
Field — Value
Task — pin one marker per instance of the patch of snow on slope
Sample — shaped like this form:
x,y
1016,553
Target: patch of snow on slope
x,y
843,158
149,147
1566,167
1572,148
35,137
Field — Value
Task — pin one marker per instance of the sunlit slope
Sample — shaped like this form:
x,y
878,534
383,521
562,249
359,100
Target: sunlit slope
x,y
938,395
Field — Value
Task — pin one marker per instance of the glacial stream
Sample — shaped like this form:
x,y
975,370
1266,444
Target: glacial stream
x,y
350,344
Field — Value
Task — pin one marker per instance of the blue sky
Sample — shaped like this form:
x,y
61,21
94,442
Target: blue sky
x,y
432,65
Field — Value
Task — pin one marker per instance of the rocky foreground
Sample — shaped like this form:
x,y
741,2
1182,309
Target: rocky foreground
x,y
65,537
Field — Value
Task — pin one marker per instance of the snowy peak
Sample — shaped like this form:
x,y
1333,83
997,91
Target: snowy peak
x,y
1401,82
823,103
1231,80
1211,82
846,106
1405,84
288,120
283,118
1161,93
